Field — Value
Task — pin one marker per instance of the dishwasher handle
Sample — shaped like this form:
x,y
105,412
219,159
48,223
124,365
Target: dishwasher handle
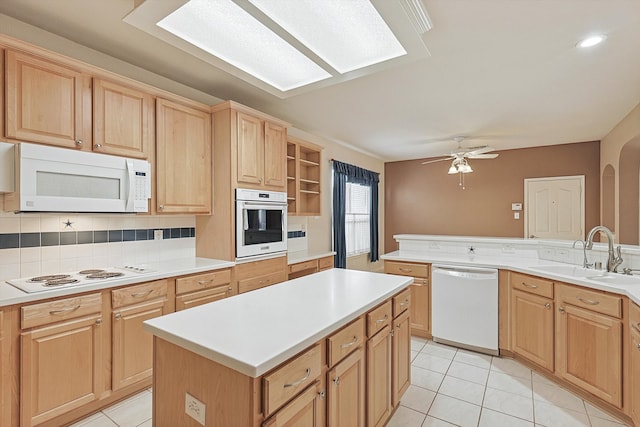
x,y
460,270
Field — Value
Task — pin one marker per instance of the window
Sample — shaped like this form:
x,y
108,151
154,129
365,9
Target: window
x,y
357,217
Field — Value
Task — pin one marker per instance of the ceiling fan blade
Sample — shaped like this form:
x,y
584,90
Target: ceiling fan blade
x,y
482,156
478,150
437,160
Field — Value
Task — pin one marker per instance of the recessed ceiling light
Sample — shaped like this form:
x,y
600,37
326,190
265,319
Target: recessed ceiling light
x,y
227,31
592,40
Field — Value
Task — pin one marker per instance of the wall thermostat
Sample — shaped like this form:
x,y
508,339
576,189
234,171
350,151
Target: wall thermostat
x,y
516,206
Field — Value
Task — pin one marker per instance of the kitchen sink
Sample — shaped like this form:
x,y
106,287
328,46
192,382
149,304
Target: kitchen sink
x,y
589,274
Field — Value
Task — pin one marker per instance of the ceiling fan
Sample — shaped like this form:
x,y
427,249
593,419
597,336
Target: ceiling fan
x,y
459,157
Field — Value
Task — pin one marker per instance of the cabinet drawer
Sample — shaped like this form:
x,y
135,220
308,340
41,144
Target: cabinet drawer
x,y
202,281
254,283
62,309
345,341
196,298
420,281
401,302
534,285
406,269
302,266
325,263
249,270
591,300
634,316
138,293
378,318
285,382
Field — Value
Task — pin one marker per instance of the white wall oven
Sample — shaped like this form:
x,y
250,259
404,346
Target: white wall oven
x,y
261,223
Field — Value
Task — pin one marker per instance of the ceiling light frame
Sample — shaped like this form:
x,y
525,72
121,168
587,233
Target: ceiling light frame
x,y
148,13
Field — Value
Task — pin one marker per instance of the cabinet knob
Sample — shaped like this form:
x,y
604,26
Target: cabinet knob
x,y
336,380
98,322
321,394
78,142
161,207
118,316
561,310
547,305
638,346
98,146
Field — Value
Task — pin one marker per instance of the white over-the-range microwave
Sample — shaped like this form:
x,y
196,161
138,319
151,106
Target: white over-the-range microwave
x,y
40,178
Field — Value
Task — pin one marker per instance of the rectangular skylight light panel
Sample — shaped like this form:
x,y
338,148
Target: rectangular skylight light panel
x,y
346,34
223,29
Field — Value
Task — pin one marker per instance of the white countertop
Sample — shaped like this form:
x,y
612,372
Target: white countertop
x,y
306,255
256,331
178,267
522,265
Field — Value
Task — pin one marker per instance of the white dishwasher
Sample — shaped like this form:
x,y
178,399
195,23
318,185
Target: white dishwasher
x,y
464,307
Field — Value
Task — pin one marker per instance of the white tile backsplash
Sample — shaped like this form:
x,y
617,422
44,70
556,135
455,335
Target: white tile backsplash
x,y
26,262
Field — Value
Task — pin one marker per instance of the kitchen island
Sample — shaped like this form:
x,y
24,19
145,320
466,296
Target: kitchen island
x,y
244,357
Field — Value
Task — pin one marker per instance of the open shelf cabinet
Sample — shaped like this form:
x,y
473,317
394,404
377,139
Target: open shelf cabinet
x,y
303,177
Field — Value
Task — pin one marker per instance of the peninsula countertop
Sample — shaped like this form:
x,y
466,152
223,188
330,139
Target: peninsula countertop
x,y
254,332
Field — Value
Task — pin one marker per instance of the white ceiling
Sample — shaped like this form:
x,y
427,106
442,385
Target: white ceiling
x,y
502,72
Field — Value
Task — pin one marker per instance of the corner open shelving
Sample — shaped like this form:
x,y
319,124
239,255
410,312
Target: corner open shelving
x,y
303,177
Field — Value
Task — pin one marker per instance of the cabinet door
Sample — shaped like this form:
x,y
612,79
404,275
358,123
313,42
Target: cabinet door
x,y
183,147
532,328
132,346
635,374
275,154
122,120
420,308
379,378
47,102
250,150
303,411
589,352
346,393
401,357
60,368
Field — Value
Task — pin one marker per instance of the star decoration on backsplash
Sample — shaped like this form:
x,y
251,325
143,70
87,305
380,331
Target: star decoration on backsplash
x,y
67,223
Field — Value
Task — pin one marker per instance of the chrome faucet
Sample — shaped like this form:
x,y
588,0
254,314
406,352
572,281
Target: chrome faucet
x,y
615,259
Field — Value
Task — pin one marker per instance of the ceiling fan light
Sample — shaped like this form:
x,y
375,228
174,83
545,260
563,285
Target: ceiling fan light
x,y
453,170
464,168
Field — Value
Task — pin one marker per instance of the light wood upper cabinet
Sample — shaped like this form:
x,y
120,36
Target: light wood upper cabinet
x,y
589,343
183,159
47,102
261,149
123,120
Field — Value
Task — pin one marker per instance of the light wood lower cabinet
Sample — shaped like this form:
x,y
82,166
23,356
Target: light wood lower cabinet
x,y
420,294
61,361
304,268
532,320
258,274
634,362
132,357
199,289
589,343
379,377
401,357
346,392
304,411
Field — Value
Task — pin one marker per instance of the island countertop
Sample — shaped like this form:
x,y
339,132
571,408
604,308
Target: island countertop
x,y
256,331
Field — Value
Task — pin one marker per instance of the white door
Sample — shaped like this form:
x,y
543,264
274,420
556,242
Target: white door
x,y
554,208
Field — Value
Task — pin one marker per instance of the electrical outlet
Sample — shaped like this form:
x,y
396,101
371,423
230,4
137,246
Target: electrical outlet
x,y
157,235
194,408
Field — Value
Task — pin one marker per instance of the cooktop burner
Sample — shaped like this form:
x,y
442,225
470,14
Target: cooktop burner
x,y
49,277
84,277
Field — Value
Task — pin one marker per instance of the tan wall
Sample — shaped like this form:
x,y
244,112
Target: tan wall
x,y
424,199
625,133
319,228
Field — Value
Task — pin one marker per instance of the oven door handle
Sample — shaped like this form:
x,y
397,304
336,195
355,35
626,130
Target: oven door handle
x,y
265,205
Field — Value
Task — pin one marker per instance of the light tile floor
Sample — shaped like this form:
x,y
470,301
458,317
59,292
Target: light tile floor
x,y
449,387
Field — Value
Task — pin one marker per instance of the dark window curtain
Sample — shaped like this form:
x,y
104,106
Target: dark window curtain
x,y
343,173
